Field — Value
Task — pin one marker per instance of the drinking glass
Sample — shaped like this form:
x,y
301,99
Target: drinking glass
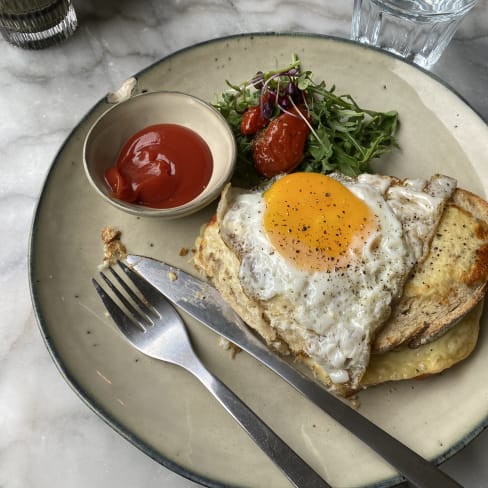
x,y
35,24
417,30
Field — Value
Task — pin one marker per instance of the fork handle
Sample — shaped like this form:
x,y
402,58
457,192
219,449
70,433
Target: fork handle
x,y
293,466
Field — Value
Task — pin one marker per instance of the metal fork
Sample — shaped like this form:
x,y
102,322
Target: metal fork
x,y
151,324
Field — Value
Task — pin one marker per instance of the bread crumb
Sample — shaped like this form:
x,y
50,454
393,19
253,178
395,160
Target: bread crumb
x,y
110,234
172,276
354,402
113,249
229,346
183,251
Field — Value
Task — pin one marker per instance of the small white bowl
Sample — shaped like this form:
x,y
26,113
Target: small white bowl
x,y
109,133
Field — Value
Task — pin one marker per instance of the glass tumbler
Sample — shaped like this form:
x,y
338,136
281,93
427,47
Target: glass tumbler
x,y
417,30
35,24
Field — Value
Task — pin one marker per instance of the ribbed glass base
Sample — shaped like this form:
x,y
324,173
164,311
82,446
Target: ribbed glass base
x,y
37,36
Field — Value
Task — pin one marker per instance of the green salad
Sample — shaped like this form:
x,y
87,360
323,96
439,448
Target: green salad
x,y
342,136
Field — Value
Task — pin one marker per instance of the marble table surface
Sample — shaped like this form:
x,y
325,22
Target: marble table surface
x,y
48,437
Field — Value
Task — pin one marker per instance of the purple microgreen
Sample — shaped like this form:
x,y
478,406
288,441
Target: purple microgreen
x,y
309,125
291,89
257,81
267,103
286,111
283,103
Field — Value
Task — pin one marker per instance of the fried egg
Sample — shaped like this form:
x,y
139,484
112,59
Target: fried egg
x,y
339,249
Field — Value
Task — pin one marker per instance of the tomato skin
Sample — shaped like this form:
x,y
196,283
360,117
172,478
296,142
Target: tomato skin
x,y
252,121
280,147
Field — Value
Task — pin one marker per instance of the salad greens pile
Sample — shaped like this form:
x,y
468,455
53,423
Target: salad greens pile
x,y
343,136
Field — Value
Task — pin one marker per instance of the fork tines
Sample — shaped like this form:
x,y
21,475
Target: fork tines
x,y
128,302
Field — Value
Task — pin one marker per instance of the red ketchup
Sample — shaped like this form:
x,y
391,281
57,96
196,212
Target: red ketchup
x,y
161,166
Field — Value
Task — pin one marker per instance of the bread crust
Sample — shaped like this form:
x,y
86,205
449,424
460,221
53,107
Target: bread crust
x,y
449,283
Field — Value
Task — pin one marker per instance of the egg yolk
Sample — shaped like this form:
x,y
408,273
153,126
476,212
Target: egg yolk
x,y
316,222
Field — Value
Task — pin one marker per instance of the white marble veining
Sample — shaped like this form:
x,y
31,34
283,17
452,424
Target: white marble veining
x,y
48,437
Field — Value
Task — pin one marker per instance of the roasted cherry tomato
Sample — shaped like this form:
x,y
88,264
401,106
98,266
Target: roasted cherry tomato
x,y
280,147
252,121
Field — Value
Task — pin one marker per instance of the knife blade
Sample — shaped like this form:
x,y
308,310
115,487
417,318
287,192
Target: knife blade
x,y
204,303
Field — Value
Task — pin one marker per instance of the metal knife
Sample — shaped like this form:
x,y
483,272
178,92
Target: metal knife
x,y
203,302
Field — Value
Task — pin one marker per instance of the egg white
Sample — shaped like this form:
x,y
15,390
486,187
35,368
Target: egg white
x,y
335,312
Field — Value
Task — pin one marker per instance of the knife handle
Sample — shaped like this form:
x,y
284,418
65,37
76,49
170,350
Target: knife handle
x,y
293,466
419,472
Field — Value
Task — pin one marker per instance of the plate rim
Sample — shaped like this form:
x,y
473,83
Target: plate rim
x,y
41,322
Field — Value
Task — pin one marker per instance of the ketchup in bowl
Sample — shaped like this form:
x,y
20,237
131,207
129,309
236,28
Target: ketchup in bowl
x,y
161,166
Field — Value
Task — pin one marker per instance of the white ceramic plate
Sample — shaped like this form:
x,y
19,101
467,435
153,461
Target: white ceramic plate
x,y
160,408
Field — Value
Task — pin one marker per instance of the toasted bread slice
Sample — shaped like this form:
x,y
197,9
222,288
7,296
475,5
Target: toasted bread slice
x,y
221,266
450,281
